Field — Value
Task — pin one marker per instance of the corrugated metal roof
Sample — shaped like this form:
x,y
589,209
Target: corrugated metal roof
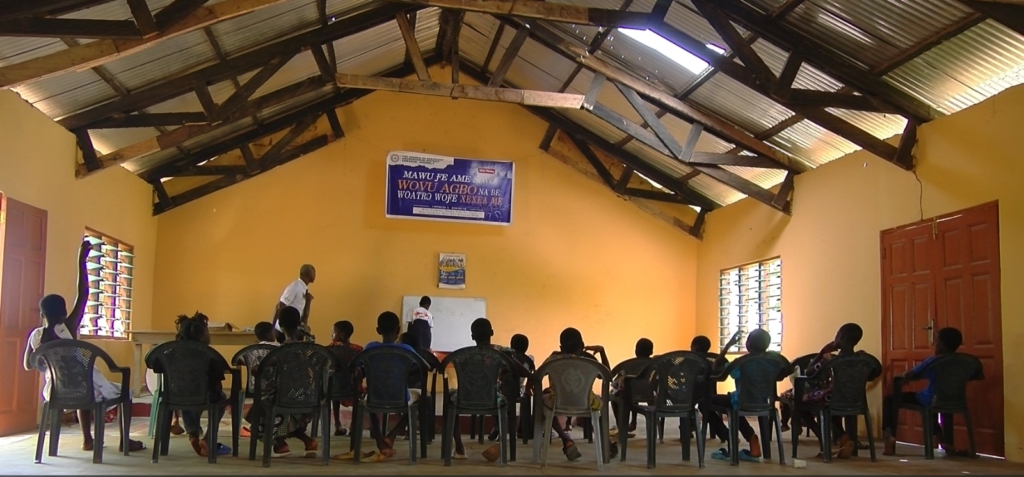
x,y
812,144
965,70
58,96
247,31
184,52
740,105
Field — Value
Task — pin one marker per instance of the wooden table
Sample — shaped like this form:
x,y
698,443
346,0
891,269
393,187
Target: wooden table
x,y
154,338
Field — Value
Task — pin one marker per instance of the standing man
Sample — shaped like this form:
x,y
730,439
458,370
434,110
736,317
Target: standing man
x,y
420,323
297,296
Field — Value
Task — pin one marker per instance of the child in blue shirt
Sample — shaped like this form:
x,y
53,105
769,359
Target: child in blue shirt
x,y
757,343
947,342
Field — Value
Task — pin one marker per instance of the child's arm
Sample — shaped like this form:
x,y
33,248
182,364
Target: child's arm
x,y
74,319
599,350
28,352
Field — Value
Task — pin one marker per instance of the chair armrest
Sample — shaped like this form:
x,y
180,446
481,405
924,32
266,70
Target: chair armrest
x,y
126,382
236,381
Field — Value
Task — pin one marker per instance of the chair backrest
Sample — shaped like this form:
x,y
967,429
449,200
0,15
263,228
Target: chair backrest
x,y
640,386
249,358
343,385
387,370
679,380
758,374
300,373
572,380
185,367
850,376
950,374
479,371
70,364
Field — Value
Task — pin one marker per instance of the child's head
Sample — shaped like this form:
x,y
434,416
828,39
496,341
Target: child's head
x,y
193,328
53,309
520,343
481,331
758,341
342,331
644,348
388,325
848,336
290,320
571,341
425,302
410,339
700,344
948,341
307,273
264,331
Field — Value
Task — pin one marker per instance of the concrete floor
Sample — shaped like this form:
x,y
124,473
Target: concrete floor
x,y
17,458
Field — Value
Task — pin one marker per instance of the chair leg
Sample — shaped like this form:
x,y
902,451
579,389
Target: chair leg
x,y
765,431
268,434
826,435
734,437
684,437
651,420
325,424
448,434
55,415
929,430
661,430
153,414
598,435
43,421
413,417
544,444
701,444
99,424
502,437
253,441
774,415
853,434
511,424
124,414
158,433
236,424
165,439
871,434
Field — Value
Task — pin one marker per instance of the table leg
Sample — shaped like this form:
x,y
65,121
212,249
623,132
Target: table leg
x,y
137,373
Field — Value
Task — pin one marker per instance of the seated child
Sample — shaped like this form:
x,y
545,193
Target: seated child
x,y
519,345
342,336
757,343
644,349
818,392
702,345
293,425
481,332
571,344
947,342
59,325
265,333
389,328
195,328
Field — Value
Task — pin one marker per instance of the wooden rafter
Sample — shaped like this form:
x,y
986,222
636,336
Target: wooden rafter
x,y
824,59
785,8
816,113
714,124
256,58
332,59
508,57
241,95
412,46
143,120
176,12
964,24
101,51
541,10
39,8
70,28
736,42
1009,13
143,17
483,93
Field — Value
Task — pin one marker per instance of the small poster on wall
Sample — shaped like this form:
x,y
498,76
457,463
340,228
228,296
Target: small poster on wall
x,y
451,271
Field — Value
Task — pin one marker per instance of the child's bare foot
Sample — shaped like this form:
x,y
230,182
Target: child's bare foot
x,y
571,452
845,448
492,453
87,445
198,445
281,449
176,429
755,446
133,446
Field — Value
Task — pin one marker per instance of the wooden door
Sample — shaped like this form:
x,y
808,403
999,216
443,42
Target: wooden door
x,y
908,309
967,289
23,237
944,272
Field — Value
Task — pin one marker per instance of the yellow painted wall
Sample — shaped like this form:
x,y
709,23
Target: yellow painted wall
x,y
575,255
37,160
830,246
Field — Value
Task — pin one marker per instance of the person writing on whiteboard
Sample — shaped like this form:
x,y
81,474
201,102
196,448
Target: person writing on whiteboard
x,y
297,296
420,323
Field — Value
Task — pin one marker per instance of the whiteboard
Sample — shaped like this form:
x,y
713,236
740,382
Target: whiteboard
x,y
452,319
